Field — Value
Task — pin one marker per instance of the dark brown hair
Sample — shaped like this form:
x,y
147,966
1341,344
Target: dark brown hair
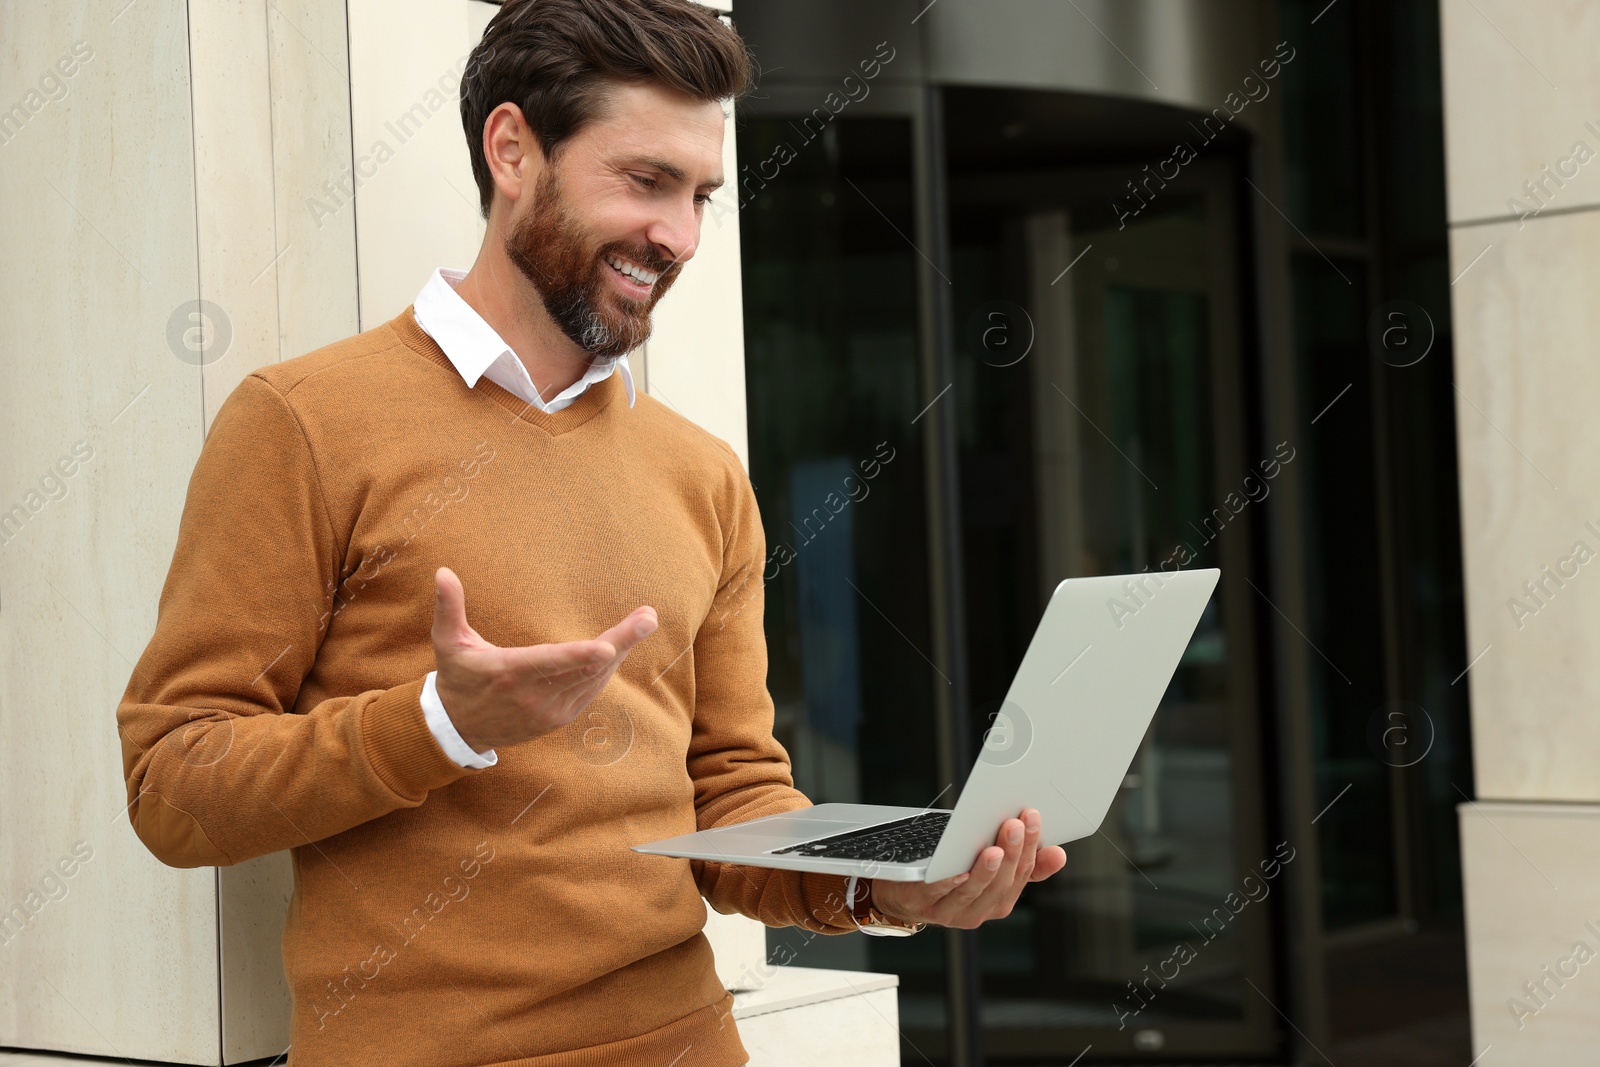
x,y
555,58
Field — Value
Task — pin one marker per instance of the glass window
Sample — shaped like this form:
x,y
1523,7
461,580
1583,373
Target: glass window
x,y
1323,149
1095,454
1343,580
833,387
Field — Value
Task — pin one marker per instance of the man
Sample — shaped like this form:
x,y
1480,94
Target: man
x,y
459,798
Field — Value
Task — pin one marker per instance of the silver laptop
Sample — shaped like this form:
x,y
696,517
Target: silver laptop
x,y
1062,742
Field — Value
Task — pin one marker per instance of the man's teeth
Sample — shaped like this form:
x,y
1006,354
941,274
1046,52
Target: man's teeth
x,y
632,271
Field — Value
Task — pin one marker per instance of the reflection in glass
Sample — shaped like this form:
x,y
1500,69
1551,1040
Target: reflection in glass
x,y
1343,568
832,387
1087,409
1095,455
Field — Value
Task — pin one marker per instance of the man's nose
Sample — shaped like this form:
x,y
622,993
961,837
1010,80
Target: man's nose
x,y
677,234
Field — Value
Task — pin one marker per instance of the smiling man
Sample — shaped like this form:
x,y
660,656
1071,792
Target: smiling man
x,y
460,797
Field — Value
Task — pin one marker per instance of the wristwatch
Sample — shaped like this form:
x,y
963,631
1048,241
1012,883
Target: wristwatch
x,y
868,919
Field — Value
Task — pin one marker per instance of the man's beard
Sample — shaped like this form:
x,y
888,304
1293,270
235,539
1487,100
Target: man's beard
x,y
568,271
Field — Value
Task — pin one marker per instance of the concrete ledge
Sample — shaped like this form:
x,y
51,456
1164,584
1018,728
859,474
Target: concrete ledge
x,y
1533,931
808,1017
796,987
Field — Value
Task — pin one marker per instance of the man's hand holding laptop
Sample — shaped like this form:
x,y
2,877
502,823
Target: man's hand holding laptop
x,y
1058,750
988,891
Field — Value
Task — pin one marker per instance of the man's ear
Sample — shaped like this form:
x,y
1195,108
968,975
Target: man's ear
x,y
510,148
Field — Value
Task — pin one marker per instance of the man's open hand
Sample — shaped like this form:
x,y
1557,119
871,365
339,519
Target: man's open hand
x,y
988,891
500,696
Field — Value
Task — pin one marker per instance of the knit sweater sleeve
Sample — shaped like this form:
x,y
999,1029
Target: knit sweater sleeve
x,y
220,766
740,771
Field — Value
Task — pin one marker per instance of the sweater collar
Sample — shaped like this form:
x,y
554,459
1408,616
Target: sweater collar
x,y
587,405
475,348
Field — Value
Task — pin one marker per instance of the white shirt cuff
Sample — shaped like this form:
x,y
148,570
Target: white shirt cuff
x,y
444,731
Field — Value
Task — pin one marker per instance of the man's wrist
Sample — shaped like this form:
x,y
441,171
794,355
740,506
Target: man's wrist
x,y
457,747
874,907
870,916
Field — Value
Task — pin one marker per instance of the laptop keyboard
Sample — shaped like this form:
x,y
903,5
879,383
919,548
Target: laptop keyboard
x,y
903,841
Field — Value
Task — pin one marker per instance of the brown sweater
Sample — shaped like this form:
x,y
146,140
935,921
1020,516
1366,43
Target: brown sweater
x,y
442,915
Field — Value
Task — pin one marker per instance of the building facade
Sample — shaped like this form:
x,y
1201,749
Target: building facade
x,y
1124,287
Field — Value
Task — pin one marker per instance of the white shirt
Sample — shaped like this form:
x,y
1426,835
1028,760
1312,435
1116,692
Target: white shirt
x,y
476,351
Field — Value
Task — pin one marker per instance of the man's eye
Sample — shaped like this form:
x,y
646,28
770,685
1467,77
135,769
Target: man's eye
x,y
648,183
702,198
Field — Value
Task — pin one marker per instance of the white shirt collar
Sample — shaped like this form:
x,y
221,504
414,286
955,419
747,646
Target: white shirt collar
x,y
477,351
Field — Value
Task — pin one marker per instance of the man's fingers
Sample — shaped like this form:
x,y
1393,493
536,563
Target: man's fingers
x,y
1048,862
450,610
999,874
938,891
1005,876
978,879
1017,870
570,662
582,659
994,876
590,659
1028,855
640,623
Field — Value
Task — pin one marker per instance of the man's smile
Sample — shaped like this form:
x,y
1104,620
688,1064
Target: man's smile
x,y
634,278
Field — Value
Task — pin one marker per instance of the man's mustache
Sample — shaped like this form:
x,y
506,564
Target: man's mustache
x,y
648,258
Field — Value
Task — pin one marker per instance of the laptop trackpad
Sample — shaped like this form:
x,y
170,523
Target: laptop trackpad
x,y
788,826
